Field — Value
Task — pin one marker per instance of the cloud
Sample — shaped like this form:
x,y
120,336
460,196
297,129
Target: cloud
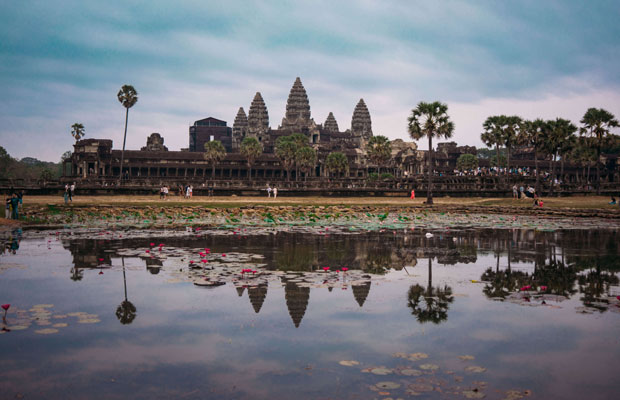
x,y
60,65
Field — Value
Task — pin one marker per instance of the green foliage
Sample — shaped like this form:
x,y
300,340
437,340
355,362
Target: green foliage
x,y
466,162
77,131
337,163
502,161
251,149
46,175
214,153
127,96
379,150
387,175
305,157
373,176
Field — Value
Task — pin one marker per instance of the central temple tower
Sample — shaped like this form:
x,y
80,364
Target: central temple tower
x,y
297,118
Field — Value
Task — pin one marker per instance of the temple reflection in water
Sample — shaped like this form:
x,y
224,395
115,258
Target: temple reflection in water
x,y
521,258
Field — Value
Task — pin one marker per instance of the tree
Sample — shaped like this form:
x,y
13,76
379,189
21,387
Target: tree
x,y
430,120
493,133
305,158
337,163
379,150
214,153
597,124
560,132
286,148
467,162
46,175
532,134
126,311
77,131
7,164
436,300
128,97
510,131
251,150
501,163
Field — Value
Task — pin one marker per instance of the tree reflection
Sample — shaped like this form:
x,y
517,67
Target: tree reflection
x,y
76,274
126,311
430,304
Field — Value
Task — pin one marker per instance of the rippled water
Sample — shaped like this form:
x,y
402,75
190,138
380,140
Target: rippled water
x,y
468,313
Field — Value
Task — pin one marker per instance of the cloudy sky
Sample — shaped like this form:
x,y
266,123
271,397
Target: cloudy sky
x,y
63,62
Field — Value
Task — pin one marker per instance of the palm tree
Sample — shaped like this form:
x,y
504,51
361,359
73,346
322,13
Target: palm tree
x,y
597,124
532,134
214,153
337,163
493,134
436,300
510,131
128,97
126,311
305,158
379,150
560,133
251,150
77,131
285,150
430,120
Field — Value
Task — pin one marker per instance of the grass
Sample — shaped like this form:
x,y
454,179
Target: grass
x,y
56,203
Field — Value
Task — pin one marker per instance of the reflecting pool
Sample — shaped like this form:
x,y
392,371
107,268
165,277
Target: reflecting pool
x,y
255,314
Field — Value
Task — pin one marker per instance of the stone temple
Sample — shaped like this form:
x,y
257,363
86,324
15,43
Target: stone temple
x,y
95,160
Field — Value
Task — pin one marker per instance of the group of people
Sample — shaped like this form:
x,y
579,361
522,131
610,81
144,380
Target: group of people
x,y
270,191
13,204
69,192
163,192
529,192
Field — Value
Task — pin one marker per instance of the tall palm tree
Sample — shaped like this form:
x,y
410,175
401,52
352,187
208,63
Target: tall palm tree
x,y
436,300
560,133
493,134
510,129
430,120
126,311
128,97
251,150
379,150
532,134
597,124
214,153
286,148
305,158
337,163
77,131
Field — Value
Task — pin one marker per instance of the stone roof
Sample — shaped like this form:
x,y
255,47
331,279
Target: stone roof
x,y
361,124
330,123
258,117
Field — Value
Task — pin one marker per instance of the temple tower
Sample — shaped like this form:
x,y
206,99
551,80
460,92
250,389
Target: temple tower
x,y
297,118
257,296
361,126
360,292
240,129
258,118
296,301
330,123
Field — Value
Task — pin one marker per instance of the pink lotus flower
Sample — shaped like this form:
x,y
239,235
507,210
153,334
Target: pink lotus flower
x,y
100,272
148,251
152,244
543,288
345,269
325,269
191,261
101,259
618,297
223,255
6,307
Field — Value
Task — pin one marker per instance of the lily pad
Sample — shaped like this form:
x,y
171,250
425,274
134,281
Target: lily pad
x,y
387,385
46,331
88,320
465,358
473,394
429,367
411,372
381,371
60,325
417,356
421,387
475,369
349,363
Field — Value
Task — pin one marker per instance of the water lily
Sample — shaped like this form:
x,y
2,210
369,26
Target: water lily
x,y
345,269
543,288
6,307
325,269
152,244
148,251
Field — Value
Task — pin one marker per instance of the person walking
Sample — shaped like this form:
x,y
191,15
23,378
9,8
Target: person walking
x,y
515,191
14,206
412,194
268,191
71,192
275,192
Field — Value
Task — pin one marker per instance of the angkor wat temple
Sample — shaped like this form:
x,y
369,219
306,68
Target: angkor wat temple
x,y
95,164
95,160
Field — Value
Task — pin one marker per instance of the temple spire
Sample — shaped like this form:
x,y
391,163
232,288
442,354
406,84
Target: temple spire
x,y
240,129
361,125
330,123
258,117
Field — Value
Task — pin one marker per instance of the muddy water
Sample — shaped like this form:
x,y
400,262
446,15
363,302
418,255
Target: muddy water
x,y
503,314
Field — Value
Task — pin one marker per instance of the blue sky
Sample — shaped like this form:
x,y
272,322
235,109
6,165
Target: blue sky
x,y
64,61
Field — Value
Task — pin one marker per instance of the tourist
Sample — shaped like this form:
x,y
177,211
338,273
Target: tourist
x,y
191,191
268,191
66,195
166,192
613,201
71,191
412,194
187,191
521,192
515,193
14,206
275,192
7,212
161,192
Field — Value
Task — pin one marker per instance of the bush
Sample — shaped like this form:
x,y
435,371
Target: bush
x,y
387,175
373,176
